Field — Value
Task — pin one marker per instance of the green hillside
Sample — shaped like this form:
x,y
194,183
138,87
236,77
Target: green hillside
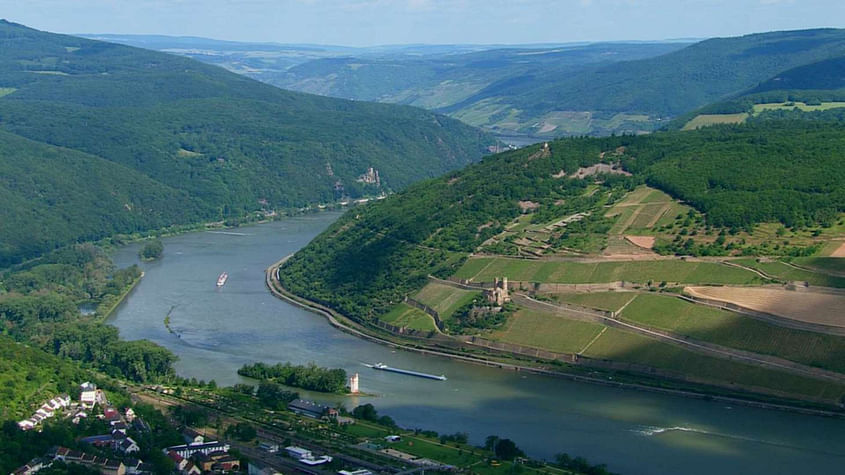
x,y
683,80
75,195
186,141
823,75
738,176
592,89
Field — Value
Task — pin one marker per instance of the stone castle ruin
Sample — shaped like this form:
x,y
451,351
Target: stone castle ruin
x,y
498,295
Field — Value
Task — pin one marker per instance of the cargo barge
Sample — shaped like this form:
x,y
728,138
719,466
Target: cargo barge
x,y
384,367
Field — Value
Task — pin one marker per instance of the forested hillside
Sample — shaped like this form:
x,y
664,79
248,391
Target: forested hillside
x,y
576,90
737,175
824,75
683,80
186,142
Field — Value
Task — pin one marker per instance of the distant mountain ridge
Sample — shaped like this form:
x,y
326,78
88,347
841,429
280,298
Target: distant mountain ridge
x,y
214,143
633,87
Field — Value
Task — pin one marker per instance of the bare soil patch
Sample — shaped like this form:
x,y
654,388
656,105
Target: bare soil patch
x,y
840,251
646,242
528,205
805,306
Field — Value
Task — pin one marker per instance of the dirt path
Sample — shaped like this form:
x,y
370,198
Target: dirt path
x,y
707,348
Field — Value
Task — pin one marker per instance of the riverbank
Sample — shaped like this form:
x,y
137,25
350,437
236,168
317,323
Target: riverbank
x,y
635,382
119,300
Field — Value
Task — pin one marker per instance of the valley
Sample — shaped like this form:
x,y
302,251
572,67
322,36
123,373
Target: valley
x,y
492,247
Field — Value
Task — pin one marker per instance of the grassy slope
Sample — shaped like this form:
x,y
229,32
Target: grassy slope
x,y
782,271
484,269
445,299
628,347
735,331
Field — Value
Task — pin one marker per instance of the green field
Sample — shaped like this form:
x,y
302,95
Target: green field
x,y
703,120
618,345
653,208
610,301
736,331
406,316
445,299
785,272
822,264
800,105
547,331
484,269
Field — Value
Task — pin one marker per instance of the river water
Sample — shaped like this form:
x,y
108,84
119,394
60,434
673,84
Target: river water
x,y
632,432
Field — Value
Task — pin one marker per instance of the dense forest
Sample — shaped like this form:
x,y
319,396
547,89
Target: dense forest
x,y
39,306
367,261
120,139
310,377
676,82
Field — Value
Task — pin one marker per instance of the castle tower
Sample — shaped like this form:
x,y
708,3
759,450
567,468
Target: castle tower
x,y
505,296
353,384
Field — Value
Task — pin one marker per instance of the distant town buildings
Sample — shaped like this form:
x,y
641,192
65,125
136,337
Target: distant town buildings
x,y
308,408
46,411
305,456
199,446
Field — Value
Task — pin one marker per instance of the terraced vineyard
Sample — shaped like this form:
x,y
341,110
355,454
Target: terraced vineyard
x,y
485,269
445,299
736,331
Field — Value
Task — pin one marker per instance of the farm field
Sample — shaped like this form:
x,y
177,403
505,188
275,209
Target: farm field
x,y
644,209
822,264
445,299
703,120
484,269
800,105
736,331
626,347
610,301
621,346
784,272
547,331
404,315
821,308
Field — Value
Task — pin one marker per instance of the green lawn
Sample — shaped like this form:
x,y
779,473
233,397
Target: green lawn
x,y
484,269
629,347
785,272
404,315
444,298
547,331
736,331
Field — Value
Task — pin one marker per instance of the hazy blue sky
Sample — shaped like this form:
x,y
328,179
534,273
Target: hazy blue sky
x,y
369,22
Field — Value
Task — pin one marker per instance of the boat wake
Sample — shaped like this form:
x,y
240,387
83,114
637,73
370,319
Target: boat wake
x,y
229,233
652,431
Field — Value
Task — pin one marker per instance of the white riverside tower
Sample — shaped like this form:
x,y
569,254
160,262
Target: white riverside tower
x,y
353,384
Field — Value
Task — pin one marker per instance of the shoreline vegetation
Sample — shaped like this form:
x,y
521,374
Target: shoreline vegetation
x,y
635,381
309,377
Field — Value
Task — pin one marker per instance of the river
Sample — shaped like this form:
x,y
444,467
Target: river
x,y
631,431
